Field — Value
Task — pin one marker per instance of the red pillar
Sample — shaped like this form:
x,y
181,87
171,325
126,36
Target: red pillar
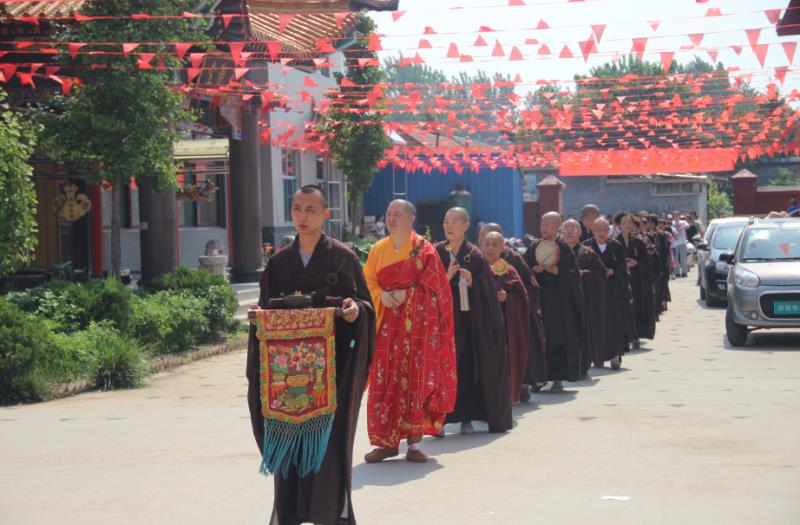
x,y
96,229
550,190
744,192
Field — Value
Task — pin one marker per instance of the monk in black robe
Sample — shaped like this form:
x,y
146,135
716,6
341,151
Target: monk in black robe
x,y
648,233
562,305
594,285
642,288
619,332
589,214
536,369
663,295
480,333
316,264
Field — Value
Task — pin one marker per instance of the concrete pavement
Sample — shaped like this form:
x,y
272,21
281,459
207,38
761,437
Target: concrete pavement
x,y
689,431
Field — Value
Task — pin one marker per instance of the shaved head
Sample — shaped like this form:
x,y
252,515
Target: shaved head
x,y
400,217
460,213
571,230
600,230
406,206
495,236
487,228
549,225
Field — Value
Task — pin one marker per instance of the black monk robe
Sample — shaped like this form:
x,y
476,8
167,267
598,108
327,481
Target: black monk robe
x,y
595,288
642,287
619,303
334,271
481,350
562,314
536,371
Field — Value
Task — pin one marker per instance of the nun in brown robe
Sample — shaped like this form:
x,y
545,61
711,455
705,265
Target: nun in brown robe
x,y
513,297
480,334
562,305
620,331
594,282
536,371
332,271
642,287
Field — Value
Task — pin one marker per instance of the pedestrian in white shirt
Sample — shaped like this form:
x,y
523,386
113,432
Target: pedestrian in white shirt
x,y
679,227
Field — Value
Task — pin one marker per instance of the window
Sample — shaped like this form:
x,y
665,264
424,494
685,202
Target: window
x,y
289,172
203,213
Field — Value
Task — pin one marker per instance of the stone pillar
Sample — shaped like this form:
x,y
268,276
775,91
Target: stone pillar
x,y
531,216
550,198
158,231
245,184
96,230
744,192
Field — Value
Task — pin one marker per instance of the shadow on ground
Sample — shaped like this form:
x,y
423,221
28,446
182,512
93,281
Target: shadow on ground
x,y
767,341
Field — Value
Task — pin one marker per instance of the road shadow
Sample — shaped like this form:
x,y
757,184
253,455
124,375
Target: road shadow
x,y
767,341
546,398
638,351
395,471
607,371
702,304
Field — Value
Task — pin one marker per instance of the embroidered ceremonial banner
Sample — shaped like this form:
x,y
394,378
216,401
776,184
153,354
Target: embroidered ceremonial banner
x,y
298,387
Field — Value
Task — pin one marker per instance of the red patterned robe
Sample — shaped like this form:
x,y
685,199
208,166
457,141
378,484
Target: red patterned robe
x,y
413,375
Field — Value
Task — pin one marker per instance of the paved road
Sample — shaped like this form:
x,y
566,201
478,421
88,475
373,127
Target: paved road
x,y
690,430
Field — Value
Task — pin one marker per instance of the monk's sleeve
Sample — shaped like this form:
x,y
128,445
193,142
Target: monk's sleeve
x,y
253,371
515,285
371,277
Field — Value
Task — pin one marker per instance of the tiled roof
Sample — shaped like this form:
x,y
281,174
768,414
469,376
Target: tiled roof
x,y
55,8
302,32
321,6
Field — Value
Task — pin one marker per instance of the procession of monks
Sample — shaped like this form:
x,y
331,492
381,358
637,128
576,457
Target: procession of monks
x,y
456,333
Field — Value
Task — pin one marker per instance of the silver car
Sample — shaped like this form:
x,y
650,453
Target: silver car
x,y
764,279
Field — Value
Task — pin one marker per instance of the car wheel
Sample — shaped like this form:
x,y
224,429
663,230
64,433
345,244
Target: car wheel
x,y
737,334
702,293
711,301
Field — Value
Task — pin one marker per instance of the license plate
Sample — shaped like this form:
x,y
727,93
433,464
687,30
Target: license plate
x,y
786,307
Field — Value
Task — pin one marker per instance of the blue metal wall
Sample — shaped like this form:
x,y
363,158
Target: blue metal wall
x,y
496,194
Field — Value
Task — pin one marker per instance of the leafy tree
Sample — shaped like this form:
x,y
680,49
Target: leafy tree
x,y
719,202
17,192
121,120
786,177
354,128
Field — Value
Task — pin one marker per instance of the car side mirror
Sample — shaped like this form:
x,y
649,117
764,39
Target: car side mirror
x,y
697,238
702,246
726,257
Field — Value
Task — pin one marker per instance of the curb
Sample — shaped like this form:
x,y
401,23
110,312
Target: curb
x,y
158,364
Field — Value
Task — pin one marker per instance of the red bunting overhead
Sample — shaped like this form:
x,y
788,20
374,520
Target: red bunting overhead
x,y
646,162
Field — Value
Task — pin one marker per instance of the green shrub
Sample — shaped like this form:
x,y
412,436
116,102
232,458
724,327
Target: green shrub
x,y
220,306
22,339
111,301
183,279
64,304
165,322
119,361
69,357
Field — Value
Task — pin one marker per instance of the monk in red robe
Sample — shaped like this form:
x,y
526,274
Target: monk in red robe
x,y
413,376
513,297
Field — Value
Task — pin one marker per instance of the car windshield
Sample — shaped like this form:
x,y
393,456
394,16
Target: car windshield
x,y
772,244
725,238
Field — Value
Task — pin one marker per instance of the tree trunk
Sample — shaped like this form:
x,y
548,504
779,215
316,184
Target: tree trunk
x,y
357,217
116,247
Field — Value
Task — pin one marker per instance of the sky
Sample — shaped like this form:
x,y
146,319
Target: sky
x,y
459,21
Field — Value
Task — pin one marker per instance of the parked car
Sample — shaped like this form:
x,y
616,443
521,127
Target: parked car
x,y
712,272
764,281
703,243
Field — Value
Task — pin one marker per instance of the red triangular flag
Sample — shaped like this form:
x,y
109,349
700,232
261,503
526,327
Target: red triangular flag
x,y
696,38
517,79
374,43
714,11
753,35
340,17
192,73
598,30
424,44
515,2
780,73
346,82
588,47
274,49
127,48
712,52
498,50
479,42
284,19
565,52
181,49
773,15
515,54
638,46
654,24
789,48
542,24
666,60
761,52
452,51
197,59
73,48
397,14
144,60
737,50
238,72
309,82
543,50
226,20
